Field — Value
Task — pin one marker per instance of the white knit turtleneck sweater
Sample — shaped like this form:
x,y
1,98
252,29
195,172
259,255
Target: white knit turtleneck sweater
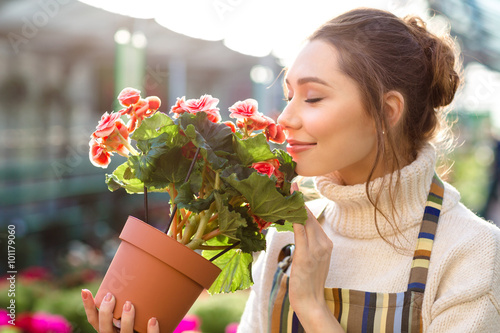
x,y
463,286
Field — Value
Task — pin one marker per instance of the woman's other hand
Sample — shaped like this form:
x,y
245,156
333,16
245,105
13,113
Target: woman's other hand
x,y
103,321
310,267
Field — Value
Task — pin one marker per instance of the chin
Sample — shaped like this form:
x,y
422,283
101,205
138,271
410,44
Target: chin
x,y
307,172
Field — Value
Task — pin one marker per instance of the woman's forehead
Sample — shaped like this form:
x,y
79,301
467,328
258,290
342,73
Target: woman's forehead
x,y
317,59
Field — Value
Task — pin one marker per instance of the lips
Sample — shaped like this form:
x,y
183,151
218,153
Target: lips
x,y
295,146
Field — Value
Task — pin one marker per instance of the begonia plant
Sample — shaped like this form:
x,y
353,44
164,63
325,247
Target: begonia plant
x,y
225,183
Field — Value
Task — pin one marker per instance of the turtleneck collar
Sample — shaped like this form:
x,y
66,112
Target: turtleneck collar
x,y
352,215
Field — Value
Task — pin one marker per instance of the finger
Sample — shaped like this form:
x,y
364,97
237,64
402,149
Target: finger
x,y
128,315
312,224
106,314
90,309
153,326
300,236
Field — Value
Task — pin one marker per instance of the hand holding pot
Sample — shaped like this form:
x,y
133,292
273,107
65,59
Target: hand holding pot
x,y
102,320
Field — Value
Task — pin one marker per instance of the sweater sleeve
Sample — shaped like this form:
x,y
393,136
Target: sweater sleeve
x,y
480,316
466,282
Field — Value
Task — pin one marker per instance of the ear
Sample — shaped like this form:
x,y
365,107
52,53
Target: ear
x,y
394,104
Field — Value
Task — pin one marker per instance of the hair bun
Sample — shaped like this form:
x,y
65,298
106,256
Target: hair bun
x,y
442,62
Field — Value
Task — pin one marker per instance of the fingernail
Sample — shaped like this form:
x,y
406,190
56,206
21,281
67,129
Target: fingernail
x,y
127,306
108,297
153,322
84,294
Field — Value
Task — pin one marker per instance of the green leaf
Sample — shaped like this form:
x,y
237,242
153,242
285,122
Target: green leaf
x,y
252,150
236,271
153,126
252,240
142,166
240,171
282,227
215,140
229,221
161,161
266,201
186,199
287,165
123,177
170,167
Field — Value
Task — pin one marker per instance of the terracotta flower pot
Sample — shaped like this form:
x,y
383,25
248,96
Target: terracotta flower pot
x,y
160,276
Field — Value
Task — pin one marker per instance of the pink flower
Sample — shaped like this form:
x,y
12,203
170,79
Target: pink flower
x,y
244,109
153,102
247,115
188,324
231,125
98,154
4,317
40,322
35,273
107,124
269,168
274,132
205,103
141,109
261,223
232,328
129,96
114,143
109,137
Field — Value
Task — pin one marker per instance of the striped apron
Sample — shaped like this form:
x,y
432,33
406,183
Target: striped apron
x,y
359,311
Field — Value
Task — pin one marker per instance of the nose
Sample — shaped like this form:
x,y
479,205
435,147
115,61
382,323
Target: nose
x,y
289,118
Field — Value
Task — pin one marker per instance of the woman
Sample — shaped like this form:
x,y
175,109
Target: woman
x,y
366,97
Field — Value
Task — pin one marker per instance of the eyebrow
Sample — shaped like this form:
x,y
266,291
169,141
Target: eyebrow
x,y
308,79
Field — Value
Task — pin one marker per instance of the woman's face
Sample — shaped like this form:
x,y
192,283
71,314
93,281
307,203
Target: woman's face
x,y
326,124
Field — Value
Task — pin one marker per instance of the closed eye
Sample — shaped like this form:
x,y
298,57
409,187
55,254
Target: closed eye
x,y
313,100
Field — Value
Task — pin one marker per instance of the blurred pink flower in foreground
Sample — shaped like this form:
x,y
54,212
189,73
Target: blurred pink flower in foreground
x,y
188,324
38,322
232,328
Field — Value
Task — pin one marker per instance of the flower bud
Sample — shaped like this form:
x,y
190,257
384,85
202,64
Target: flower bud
x,y
129,96
153,102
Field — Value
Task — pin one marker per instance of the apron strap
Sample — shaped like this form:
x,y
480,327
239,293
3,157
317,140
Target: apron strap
x,y
422,255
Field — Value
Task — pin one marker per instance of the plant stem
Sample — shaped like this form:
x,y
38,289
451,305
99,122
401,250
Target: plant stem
x,y
185,180
191,229
183,221
204,221
212,234
217,180
195,243
126,143
173,194
213,218
146,204
213,247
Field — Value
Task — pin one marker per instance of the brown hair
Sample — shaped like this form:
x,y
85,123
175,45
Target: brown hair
x,y
383,53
